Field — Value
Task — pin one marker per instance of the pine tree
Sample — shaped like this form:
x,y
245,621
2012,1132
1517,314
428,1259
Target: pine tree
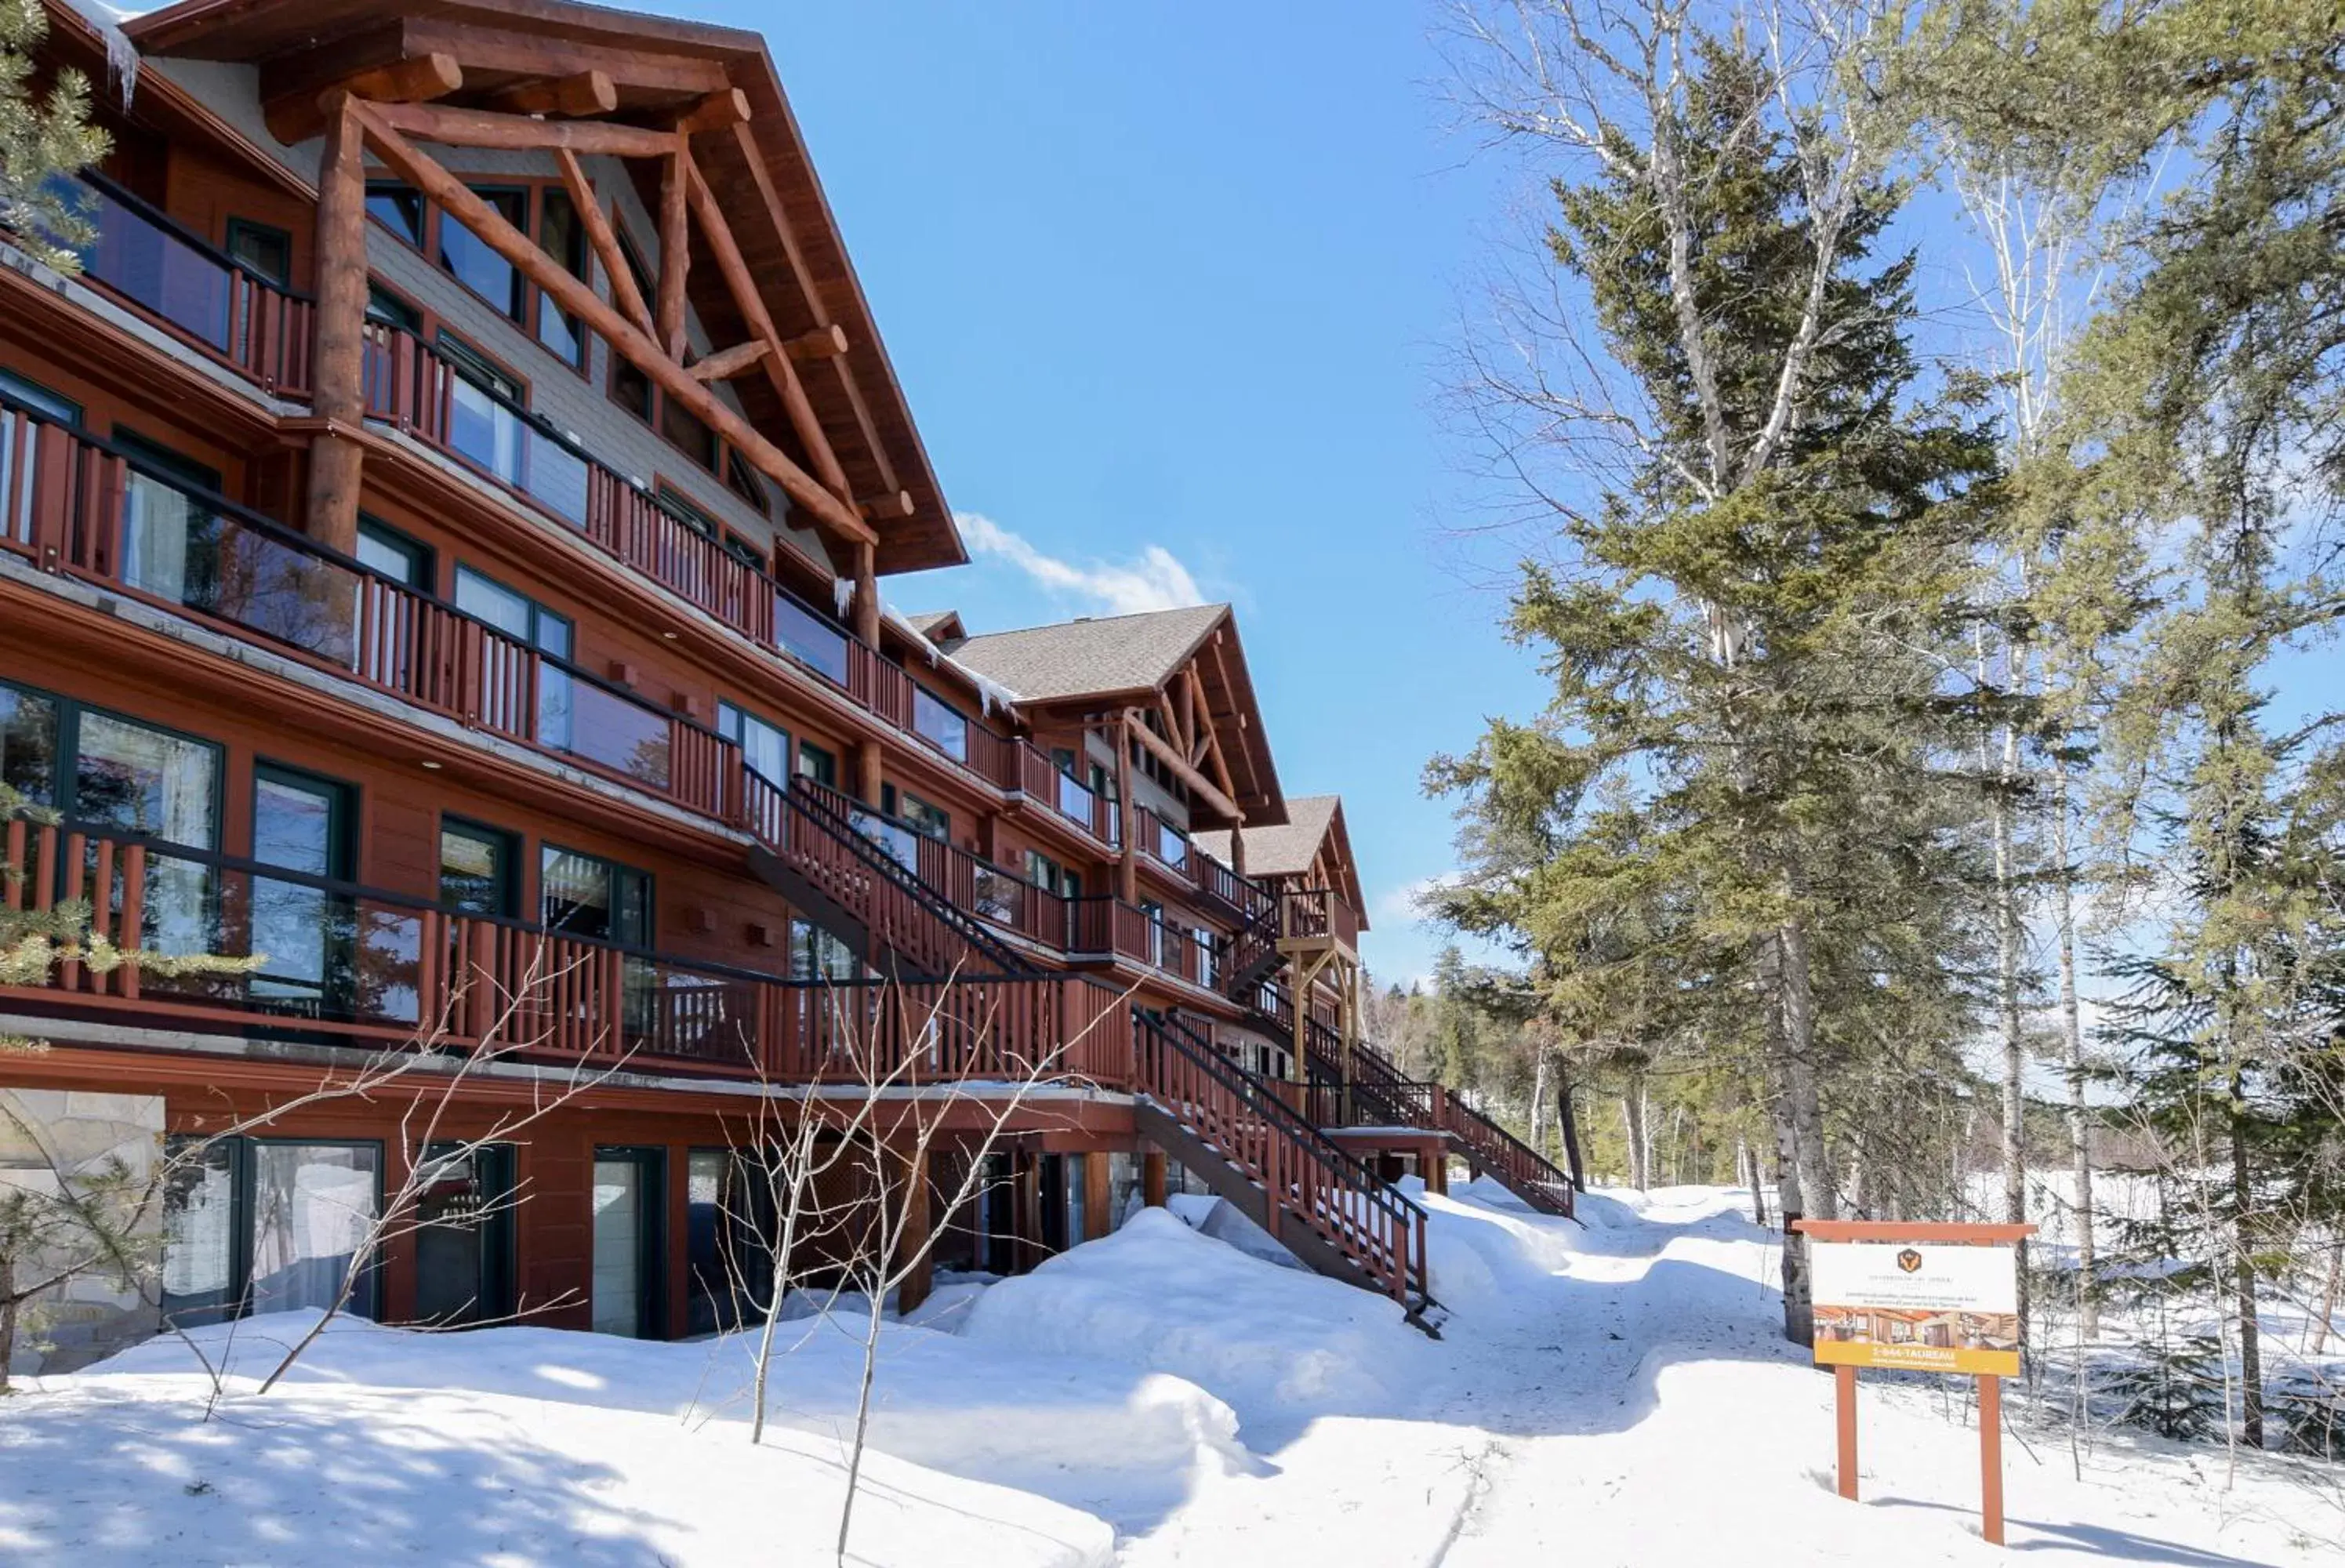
x,y
44,137
1744,628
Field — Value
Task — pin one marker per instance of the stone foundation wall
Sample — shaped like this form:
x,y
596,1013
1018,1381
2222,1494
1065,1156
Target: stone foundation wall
x,y
47,1131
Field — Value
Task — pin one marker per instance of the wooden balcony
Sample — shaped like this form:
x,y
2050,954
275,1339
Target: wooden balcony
x,y
266,334
356,966
82,507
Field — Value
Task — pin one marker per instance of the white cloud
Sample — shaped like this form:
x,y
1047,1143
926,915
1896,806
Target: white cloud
x,y
1157,581
1406,902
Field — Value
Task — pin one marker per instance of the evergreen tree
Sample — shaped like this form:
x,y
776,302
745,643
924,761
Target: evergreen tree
x,y
43,136
1746,628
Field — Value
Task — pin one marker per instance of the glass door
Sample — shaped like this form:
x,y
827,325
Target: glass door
x,y
628,1245
464,1235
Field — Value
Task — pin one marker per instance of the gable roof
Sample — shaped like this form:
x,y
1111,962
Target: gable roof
x,y
1110,656
1288,848
761,174
938,625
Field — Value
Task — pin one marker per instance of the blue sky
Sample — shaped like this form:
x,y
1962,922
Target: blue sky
x,y
1176,278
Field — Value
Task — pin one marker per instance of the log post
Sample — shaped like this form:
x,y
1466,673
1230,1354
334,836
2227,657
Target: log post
x,y
865,605
338,366
1127,868
1098,1208
1153,1177
675,250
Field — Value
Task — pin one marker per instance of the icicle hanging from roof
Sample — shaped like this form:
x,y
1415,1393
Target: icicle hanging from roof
x,y
121,53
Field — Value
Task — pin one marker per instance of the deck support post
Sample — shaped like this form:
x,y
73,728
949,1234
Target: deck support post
x,y
338,370
1098,1205
1151,1178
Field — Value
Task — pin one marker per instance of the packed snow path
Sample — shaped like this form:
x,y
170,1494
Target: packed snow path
x,y
1623,1394
1615,1393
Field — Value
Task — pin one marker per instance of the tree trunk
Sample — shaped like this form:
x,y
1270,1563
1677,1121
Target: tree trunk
x,y
2243,1284
1539,1099
2006,934
1632,1121
1567,1120
1806,1109
1798,1303
8,1305
2319,1329
2080,1143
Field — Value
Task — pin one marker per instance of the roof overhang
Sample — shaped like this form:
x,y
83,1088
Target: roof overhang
x,y
760,172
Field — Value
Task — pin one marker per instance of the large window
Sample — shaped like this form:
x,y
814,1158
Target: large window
x,y
403,559
398,209
590,896
816,955
519,616
268,1225
302,824
765,745
561,236
472,263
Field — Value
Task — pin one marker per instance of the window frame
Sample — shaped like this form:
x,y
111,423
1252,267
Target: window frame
x,y
365,1300
238,227
548,847
64,787
512,858
517,310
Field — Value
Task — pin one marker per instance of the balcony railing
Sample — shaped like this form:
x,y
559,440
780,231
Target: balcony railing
x,y
86,507
414,388
356,964
203,297
266,333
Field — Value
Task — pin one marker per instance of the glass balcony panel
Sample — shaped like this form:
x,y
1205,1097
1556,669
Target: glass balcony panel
x,y
940,725
1074,799
178,549
608,729
1172,848
809,640
144,261
555,477
483,431
555,705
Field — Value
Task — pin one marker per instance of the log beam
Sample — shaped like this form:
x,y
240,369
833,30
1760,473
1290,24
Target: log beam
x,y
1127,867
302,113
518,133
887,508
1183,769
820,343
339,394
575,97
716,112
731,362
743,286
455,198
605,241
675,250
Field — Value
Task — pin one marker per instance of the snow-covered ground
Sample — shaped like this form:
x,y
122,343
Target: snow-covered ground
x,y
1612,1393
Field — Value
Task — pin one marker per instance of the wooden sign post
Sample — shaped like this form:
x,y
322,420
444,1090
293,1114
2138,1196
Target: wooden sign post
x,y
1921,1298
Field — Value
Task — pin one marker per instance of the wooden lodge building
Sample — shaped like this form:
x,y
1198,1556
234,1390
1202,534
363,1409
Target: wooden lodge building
x,y
442,526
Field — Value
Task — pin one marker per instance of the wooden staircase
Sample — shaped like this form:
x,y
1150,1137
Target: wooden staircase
x,y
812,853
1255,1151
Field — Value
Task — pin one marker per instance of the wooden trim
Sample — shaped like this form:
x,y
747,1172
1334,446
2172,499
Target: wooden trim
x,y
581,300
818,343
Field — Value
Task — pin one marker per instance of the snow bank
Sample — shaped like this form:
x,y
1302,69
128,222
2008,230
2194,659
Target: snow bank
x,y
1483,1245
1109,1439
1278,1346
503,1445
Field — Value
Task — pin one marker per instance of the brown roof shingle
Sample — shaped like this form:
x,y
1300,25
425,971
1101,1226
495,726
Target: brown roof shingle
x,y
1090,657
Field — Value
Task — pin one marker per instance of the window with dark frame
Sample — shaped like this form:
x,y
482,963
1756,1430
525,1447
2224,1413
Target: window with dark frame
x,y
262,249
468,259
